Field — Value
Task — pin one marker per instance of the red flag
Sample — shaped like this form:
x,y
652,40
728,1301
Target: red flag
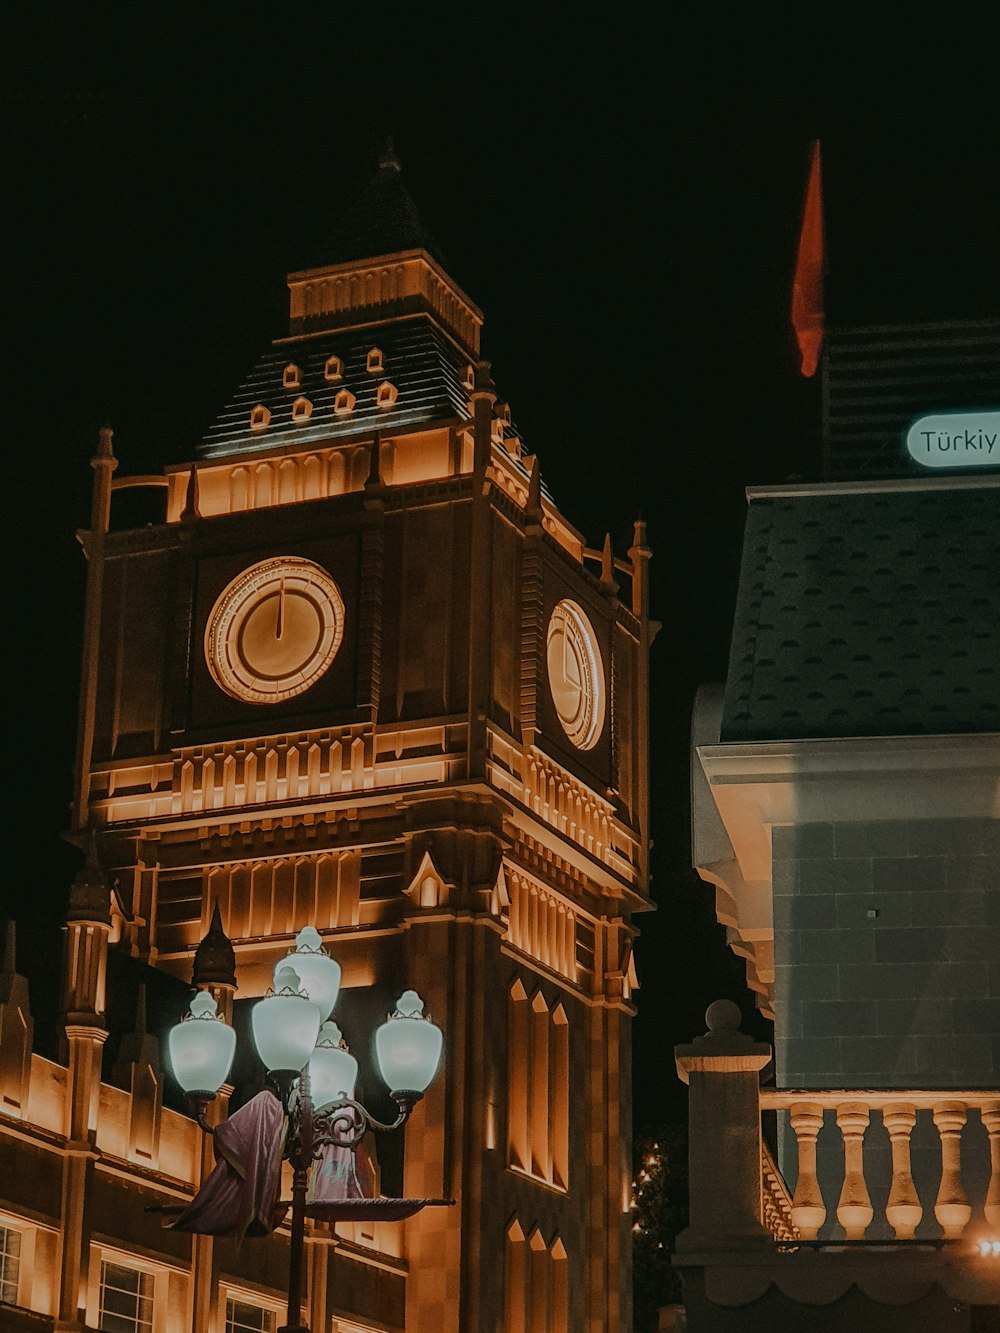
x,y
807,286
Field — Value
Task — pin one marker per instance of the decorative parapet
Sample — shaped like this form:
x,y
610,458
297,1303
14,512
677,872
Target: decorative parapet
x,y
751,1245
275,769
408,279
551,794
777,1200
948,1112
542,924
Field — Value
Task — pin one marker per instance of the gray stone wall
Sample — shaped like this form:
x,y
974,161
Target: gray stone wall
x,y
887,954
887,975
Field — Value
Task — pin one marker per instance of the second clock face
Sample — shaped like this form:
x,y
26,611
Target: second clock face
x,y
274,630
576,674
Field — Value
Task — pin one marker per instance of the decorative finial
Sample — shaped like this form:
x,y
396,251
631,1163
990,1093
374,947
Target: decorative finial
x,y
375,464
723,1017
191,511
215,957
484,379
387,159
534,504
608,565
90,894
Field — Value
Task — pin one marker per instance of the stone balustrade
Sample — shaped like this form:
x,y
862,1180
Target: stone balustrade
x,y
853,1111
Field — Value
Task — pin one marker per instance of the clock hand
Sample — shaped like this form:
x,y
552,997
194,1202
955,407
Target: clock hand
x,y
281,609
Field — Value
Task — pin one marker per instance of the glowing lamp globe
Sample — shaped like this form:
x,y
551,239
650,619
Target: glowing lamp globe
x,y
201,1048
408,1046
333,1071
319,973
285,1024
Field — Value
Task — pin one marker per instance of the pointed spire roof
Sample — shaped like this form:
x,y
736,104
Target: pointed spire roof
x,y
215,957
377,217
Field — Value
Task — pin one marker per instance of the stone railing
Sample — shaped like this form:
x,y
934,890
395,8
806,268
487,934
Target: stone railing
x,y
852,1111
752,1257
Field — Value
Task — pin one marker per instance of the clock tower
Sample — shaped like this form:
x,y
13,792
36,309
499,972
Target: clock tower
x,y
367,676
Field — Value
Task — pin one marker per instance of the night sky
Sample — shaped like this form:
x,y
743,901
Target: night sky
x,y
623,208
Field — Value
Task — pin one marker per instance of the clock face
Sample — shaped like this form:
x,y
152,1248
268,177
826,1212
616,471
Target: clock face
x,y
576,675
274,630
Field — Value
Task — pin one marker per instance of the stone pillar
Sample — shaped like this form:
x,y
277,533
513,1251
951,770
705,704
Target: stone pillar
x,y
16,1033
214,970
87,929
722,1069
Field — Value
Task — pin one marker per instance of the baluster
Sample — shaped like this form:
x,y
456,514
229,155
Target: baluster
x,y
991,1119
854,1210
952,1208
903,1209
808,1209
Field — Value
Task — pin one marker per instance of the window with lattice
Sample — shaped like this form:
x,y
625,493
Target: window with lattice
x,y
10,1264
126,1299
243,1316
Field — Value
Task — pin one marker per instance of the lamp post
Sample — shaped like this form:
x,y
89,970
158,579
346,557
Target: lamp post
x,y
314,1076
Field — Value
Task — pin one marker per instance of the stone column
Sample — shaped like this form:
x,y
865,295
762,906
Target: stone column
x,y
84,1005
722,1069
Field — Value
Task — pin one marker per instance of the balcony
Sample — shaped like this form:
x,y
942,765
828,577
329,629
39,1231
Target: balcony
x,y
894,1213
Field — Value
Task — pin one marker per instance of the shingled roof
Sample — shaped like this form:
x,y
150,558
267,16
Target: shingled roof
x,y
378,217
422,365
867,609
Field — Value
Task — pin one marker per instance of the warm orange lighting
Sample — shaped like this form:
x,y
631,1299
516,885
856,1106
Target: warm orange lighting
x,y
807,285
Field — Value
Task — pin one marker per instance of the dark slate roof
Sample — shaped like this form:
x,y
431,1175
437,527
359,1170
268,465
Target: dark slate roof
x,y
867,611
424,366
378,218
876,381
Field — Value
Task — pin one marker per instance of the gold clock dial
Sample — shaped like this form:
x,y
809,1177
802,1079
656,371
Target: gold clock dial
x,y
576,674
274,630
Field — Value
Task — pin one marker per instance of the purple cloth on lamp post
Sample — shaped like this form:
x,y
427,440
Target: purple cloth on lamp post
x,y
239,1197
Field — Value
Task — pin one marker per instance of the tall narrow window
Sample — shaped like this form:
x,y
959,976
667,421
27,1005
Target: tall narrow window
x,y
560,1288
539,1077
10,1264
536,1282
516,1281
245,1317
559,1098
518,1104
538,1088
126,1299
539,1286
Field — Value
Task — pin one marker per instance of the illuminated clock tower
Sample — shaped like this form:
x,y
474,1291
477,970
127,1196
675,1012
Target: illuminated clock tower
x,y
366,676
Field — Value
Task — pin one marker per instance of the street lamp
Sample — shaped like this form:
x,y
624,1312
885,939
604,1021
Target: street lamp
x,y
314,1075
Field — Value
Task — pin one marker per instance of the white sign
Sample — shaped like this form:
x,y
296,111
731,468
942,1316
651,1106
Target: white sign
x,y
955,439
